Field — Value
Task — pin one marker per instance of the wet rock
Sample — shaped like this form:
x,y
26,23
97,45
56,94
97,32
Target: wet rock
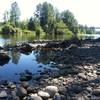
x,y
4,58
3,94
43,94
51,90
21,92
26,76
24,48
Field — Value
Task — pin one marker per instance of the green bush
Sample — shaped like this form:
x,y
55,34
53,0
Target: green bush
x,y
8,29
27,31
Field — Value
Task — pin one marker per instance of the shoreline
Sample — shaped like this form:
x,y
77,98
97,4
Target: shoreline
x,y
78,76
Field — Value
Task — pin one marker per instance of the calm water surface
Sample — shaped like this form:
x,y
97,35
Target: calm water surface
x,y
20,62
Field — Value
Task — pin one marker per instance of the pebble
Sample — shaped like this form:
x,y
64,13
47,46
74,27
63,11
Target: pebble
x,y
82,75
57,97
96,92
3,94
35,97
51,90
43,94
21,91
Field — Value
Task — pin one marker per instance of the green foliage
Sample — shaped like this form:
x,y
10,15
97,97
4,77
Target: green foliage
x,y
87,30
45,13
27,31
6,16
14,13
70,21
8,29
33,24
46,22
23,24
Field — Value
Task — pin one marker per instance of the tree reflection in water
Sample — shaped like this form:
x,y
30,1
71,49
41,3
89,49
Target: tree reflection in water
x,y
44,56
15,56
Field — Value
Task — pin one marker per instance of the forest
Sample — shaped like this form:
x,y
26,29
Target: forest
x,y
46,20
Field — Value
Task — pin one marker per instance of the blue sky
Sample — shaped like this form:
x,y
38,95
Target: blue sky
x,y
85,11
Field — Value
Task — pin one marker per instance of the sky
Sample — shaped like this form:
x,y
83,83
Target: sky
x,y
87,12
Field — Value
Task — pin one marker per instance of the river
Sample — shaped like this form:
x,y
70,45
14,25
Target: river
x,y
19,62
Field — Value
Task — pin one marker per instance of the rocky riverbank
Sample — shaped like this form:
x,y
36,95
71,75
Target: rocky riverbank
x,y
75,73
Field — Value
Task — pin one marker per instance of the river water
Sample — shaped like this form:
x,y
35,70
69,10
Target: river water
x,y
20,62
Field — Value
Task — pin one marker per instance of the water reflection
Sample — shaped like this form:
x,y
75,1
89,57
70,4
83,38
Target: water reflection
x,y
15,56
19,63
45,57
7,39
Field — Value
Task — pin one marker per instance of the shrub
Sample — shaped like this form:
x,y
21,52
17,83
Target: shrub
x,y
8,29
27,31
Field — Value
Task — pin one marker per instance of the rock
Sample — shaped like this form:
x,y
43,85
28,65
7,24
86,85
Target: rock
x,y
51,90
89,89
96,92
21,92
44,95
82,75
25,77
65,71
25,48
3,94
35,97
57,97
55,81
1,48
4,58
11,85
62,90
73,46
13,98
32,89
25,84
75,89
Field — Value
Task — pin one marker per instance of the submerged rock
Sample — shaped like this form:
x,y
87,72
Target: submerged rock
x,y
4,58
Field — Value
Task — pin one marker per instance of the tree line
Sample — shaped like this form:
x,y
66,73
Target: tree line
x,y
45,19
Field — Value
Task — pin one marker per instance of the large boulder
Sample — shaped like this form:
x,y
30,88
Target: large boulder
x,y
4,58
